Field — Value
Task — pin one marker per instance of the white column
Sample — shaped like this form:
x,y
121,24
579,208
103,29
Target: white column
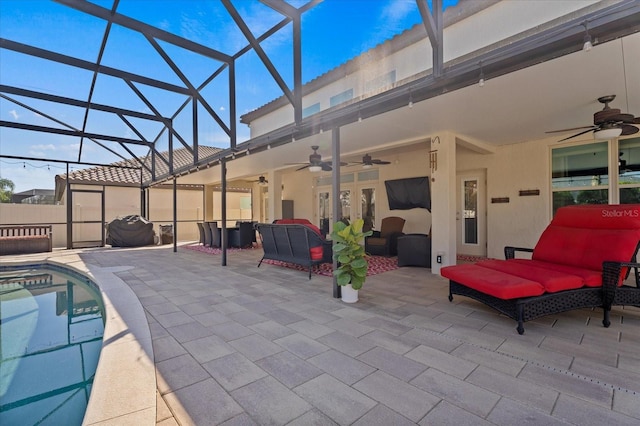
x,y
443,201
275,195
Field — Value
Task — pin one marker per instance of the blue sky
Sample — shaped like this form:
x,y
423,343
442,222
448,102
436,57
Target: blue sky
x,y
332,33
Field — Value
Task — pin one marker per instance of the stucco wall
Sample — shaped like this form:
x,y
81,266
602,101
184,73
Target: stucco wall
x,y
40,214
510,169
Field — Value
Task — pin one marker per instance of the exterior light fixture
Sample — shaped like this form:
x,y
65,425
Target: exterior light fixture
x,y
315,169
587,39
410,100
481,79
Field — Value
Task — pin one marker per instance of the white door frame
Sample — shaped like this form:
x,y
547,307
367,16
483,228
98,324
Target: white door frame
x,y
467,226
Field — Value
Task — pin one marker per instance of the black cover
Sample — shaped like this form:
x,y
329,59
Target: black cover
x,y
130,231
410,193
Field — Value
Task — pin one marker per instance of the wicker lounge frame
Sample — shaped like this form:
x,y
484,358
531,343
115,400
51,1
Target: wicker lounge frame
x,y
529,308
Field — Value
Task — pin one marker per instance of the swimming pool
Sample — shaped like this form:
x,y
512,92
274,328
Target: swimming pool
x,y
51,328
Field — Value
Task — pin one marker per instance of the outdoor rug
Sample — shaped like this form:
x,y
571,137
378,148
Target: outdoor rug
x,y
377,265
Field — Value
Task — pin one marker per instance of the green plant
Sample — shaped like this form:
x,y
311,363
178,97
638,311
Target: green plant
x,y
348,251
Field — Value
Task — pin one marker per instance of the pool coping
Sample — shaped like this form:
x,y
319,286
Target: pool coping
x,y
124,387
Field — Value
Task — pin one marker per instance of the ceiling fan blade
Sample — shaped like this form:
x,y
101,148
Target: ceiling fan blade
x,y
326,167
628,129
573,128
577,134
623,118
303,167
380,162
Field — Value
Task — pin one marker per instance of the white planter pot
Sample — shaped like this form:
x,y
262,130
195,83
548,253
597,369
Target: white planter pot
x,y
349,295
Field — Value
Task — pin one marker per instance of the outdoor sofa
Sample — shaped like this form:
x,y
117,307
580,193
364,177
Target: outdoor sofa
x,y
580,261
295,241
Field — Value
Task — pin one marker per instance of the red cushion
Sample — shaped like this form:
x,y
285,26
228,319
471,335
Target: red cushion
x,y
492,282
590,277
623,216
316,253
586,248
289,221
552,281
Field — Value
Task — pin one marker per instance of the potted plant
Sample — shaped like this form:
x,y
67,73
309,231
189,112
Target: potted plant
x,y
351,257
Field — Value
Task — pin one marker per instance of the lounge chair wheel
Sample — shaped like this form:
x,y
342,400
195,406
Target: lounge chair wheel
x,y
450,298
520,329
606,323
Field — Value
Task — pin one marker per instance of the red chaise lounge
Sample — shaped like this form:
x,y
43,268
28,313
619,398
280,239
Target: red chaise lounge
x,y
580,261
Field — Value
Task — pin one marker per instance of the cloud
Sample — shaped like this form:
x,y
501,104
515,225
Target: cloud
x,y
396,11
393,17
14,114
42,147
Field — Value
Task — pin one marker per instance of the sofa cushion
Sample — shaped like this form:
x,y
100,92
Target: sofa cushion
x,y
552,281
492,282
590,277
585,236
585,248
304,222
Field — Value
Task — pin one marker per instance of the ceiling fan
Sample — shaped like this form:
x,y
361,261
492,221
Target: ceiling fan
x,y
261,180
368,162
607,123
315,163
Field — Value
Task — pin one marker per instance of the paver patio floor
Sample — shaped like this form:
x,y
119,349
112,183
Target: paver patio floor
x,y
241,345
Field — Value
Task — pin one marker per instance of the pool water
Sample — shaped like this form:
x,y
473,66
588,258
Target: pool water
x,y
51,327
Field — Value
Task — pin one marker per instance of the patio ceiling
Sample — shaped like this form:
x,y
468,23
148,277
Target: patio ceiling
x,y
540,82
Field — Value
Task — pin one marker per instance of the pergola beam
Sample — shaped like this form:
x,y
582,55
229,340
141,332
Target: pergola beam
x,y
434,24
78,103
89,66
73,133
258,49
132,24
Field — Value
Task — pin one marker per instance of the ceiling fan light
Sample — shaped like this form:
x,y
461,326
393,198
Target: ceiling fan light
x,y
611,133
315,169
366,166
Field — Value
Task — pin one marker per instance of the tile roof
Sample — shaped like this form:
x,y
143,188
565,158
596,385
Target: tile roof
x,y
182,157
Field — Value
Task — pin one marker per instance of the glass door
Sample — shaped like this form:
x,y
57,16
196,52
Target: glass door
x,y
367,207
471,214
324,210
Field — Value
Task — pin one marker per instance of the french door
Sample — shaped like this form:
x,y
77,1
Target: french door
x,y
356,201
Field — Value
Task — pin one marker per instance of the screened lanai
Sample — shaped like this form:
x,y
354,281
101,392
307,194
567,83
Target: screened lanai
x,y
107,81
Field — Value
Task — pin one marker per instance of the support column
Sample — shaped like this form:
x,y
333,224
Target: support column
x,y
275,195
443,201
336,208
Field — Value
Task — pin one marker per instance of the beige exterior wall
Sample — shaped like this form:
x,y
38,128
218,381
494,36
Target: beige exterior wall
x,y
512,168
37,214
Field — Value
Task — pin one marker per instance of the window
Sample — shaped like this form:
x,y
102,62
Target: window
x,y
341,98
380,82
580,175
311,109
629,170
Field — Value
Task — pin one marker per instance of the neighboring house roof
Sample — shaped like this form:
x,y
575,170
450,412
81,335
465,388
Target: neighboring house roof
x,y
126,172
19,197
408,37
